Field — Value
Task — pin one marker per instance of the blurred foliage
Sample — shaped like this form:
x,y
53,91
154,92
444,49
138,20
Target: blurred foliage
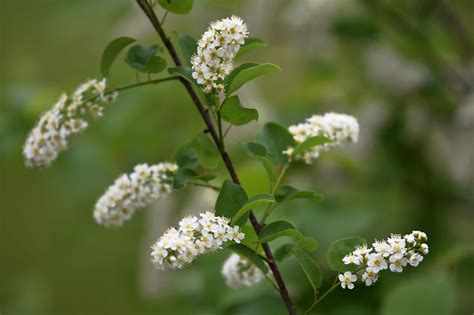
x,y
404,68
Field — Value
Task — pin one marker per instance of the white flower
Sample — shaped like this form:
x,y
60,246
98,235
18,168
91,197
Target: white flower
x,y
339,128
178,248
382,248
51,134
414,259
397,262
351,259
134,191
370,276
424,249
377,262
238,272
347,280
397,244
216,51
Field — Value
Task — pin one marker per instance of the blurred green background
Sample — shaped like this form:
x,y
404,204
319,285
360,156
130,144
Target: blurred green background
x,y
404,68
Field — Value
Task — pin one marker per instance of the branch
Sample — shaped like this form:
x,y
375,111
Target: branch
x,y
224,155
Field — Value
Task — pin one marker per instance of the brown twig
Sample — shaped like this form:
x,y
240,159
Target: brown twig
x,y
224,155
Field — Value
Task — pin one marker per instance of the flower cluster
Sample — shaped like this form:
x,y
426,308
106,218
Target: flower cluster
x,y
339,128
132,192
395,253
216,51
195,236
238,272
50,135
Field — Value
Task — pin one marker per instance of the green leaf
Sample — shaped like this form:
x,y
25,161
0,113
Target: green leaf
x,y
309,143
261,199
185,156
111,52
341,248
233,112
206,151
231,198
138,56
248,253
250,44
183,72
276,230
259,152
250,73
276,139
177,6
181,177
287,193
205,177
228,79
250,235
188,47
308,244
432,293
155,64
310,268
284,251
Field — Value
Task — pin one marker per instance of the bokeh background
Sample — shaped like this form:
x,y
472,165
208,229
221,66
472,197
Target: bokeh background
x,y
405,69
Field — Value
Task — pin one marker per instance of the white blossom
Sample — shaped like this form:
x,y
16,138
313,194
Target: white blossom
x,y
51,134
131,192
339,128
216,50
347,280
239,271
394,253
179,247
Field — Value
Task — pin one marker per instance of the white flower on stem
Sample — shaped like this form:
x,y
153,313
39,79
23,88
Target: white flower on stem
x,y
382,248
347,280
377,262
216,51
339,128
132,192
414,259
178,248
370,276
351,259
424,249
239,271
51,134
397,244
397,262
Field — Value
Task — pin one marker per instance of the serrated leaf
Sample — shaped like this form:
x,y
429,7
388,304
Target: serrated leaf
x,y
206,151
257,200
341,248
259,152
177,6
276,139
284,251
185,156
138,56
181,177
111,52
231,198
188,47
309,143
250,255
287,193
233,112
310,268
228,79
250,44
155,64
276,230
249,74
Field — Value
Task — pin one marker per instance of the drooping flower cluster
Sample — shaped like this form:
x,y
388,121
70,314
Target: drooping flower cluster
x,y
394,254
340,128
216,51
67,117
195,236
131,192
239,271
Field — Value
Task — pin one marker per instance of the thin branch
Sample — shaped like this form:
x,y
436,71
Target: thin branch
x,y
224,155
